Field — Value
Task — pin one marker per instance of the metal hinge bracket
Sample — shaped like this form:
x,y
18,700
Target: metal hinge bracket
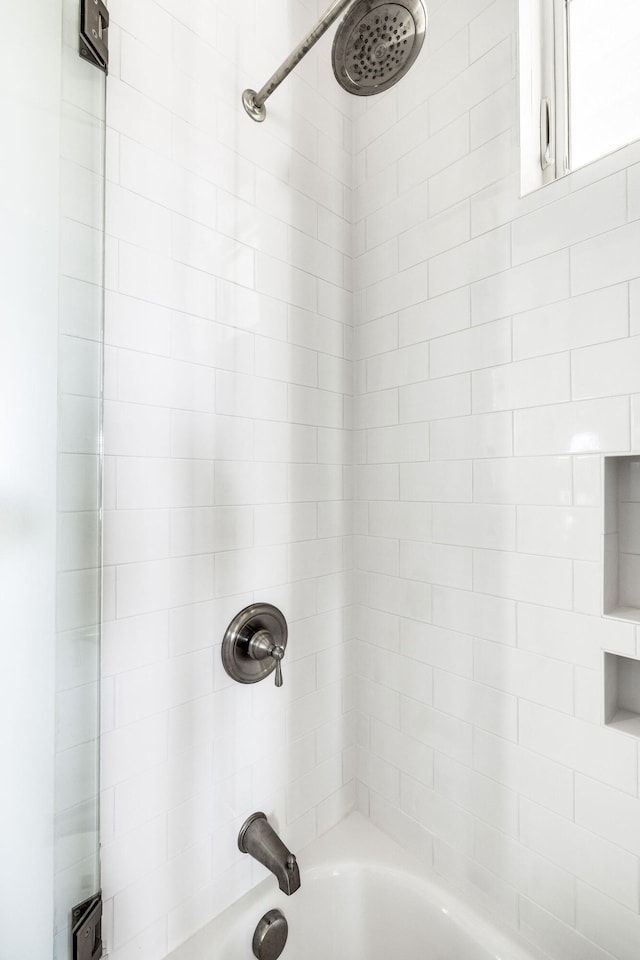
x,y
94,33
86,932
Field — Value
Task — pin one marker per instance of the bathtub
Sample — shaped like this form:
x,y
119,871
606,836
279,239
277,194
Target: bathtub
x,y
362,898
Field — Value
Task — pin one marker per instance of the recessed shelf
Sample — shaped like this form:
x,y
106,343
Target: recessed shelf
x,y
622,693
621,597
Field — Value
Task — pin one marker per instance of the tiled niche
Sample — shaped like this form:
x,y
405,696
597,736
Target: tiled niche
x,y
622,537
622,693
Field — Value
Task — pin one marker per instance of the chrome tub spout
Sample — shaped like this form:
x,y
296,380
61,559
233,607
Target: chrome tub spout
x,y
258,838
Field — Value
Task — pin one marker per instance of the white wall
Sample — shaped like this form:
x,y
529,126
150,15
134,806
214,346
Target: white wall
x,y
228,455
499,357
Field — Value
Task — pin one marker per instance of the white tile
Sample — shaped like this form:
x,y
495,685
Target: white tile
x,y
609,813
589,426
475,525
607,259
438,563
612,927
634,307
404,442
598,863
377,336
407,365
377,482
157,483
401,213
253,569
202,436
377,701
635,422
529,383
435,399
133,535
491,617
401,828
396,595
588,694
606,370
486,435
520,576
282,523
531,774
408,521
483,346
485,707
434,235
436,481
556,938
379,775
590,318
586,213
537,480
493,116
208,529
594,751
560,531
524,675
438,815
493,895
440,648
244,396
471,173
314,558
313,482
234,484
376,555
587,588
314,407
378,409
470,261
436,317
132,643
572,637
522,288
534,876
482,796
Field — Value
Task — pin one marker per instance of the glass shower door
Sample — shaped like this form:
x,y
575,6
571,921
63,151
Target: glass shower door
x,y
76,838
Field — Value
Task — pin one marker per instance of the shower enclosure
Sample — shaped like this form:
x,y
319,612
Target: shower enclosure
x,y
52,104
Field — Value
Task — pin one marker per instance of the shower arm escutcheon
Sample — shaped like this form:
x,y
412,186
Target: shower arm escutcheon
x,y
254,103
254,644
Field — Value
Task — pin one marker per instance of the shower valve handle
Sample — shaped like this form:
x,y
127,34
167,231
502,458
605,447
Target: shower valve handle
x,y
262,646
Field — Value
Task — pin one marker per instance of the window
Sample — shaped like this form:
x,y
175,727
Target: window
x,y
579,83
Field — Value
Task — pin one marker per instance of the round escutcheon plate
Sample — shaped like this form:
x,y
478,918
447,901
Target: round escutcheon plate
x,y
258,618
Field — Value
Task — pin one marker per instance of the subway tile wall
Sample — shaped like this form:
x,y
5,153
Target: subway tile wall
x,y
492,363
228,456
496,359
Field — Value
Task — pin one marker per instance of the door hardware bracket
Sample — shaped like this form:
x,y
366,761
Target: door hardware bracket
x,y
86,929
94,33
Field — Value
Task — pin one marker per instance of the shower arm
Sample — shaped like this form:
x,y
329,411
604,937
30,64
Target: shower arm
x,y
254,102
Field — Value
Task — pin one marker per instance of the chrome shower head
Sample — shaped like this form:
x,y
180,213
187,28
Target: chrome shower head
x,y
377,43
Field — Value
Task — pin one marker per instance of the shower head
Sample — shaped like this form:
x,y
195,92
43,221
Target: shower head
x,y
376,43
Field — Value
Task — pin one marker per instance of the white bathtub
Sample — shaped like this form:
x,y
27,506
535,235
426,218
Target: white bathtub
x,y
361,898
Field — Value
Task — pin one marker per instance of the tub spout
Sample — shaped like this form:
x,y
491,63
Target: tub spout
x,y
258,838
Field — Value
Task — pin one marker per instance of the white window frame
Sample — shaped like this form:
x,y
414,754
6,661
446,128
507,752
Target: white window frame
x,y
544,91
